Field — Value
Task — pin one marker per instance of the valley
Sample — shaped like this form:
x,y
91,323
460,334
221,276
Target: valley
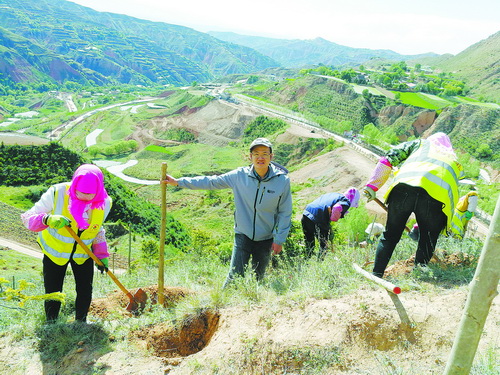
x,y
79,86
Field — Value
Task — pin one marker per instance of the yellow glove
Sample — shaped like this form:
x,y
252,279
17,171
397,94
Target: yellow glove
x,y
57,221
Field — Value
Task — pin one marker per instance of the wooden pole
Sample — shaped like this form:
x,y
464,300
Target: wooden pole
x,y
482,291
129,244
161,260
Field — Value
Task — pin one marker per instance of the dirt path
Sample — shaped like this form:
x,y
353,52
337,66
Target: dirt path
x,y
21,248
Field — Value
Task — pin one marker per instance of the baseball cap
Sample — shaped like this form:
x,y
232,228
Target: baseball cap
x,y
261,142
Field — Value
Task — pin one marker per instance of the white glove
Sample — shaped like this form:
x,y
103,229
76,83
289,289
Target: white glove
x,y
369,193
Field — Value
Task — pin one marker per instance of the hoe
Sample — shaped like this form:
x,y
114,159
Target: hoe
x,y
137,301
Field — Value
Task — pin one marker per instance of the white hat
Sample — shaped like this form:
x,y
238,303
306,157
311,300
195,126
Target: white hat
x,y
261,142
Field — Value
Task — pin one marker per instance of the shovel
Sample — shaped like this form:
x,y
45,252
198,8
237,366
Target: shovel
x,y
137,301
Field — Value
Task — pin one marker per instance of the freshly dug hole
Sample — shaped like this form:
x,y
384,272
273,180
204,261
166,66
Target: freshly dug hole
x,y
188,337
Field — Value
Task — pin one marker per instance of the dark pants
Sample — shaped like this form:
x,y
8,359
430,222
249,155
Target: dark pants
x,y
243,249
311,232
403,200
53,278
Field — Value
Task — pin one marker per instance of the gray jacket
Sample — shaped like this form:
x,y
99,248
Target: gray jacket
x,y
263,207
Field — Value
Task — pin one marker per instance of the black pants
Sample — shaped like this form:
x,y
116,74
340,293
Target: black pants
x,y
311,232
243,249
53,278
403,200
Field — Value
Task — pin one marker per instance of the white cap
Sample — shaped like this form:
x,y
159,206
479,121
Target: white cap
x,y
261,142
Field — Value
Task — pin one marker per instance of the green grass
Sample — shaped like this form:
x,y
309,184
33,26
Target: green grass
x,y
423,100
188,160
156,148
17,266
372,90
16,196
464,99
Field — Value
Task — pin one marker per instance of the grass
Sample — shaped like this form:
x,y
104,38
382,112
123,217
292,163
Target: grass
x,y
358,89
188,160
423,100
16,196
288,283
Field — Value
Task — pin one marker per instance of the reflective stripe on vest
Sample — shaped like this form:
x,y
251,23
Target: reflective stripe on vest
x,y
58,244
437,174
458,223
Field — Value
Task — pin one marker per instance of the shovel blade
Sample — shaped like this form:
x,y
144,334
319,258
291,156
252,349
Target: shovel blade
x,y
137,302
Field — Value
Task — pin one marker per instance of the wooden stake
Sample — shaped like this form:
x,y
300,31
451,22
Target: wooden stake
x,y
161,257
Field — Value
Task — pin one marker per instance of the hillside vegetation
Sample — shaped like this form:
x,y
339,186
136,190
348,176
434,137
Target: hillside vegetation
x,y
38,167
478,65
55,41
335,106
306,317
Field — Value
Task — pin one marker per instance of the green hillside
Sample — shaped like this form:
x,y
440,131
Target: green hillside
x,y
38,167
66,41
478,65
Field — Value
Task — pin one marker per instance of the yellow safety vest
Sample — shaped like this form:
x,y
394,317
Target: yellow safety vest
x,y
58,245
458,222
438,174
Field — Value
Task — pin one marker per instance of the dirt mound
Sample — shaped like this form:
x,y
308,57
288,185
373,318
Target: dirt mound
x,y
355,334
116,302
440,258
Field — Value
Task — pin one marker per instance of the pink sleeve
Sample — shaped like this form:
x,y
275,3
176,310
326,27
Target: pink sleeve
x,y
336,212
100,250
380,174
34,221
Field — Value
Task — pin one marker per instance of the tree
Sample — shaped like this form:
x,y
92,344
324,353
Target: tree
x,y
371,133
252,79
484,151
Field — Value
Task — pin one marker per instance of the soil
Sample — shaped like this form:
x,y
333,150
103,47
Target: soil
x,y
364,327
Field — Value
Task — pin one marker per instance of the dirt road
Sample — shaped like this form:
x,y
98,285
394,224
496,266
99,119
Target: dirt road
x,y
4,242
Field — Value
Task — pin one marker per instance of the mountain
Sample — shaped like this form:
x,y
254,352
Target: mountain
x,y
478,65
297,53
60,40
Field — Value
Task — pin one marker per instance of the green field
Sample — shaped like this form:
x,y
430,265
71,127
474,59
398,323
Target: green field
x,y
466,100
372,90
423,100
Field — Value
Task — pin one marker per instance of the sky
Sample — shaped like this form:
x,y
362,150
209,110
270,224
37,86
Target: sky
x,y
403,26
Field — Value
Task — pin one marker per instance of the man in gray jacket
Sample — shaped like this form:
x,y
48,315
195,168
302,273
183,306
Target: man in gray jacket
x,y
263,207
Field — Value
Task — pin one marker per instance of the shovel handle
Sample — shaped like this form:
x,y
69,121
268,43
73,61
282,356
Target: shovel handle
x,y
98,261
379,202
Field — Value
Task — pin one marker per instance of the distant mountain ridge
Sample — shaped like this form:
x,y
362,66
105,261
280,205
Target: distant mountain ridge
x,y
58,40
297,53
